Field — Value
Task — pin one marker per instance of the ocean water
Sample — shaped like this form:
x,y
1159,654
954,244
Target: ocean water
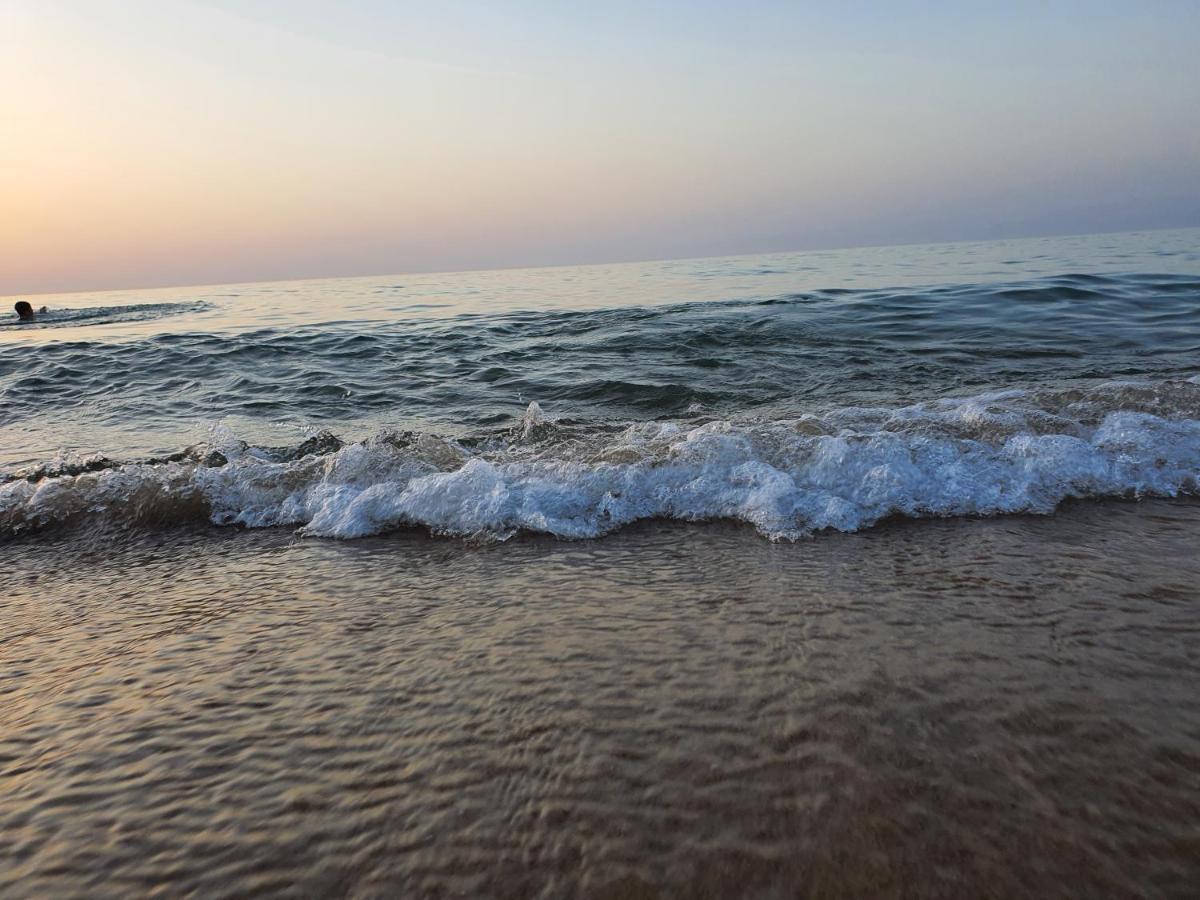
x,y
859,573
797,392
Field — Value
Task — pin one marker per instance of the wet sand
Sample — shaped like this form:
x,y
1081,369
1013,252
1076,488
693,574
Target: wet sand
x,y
995,707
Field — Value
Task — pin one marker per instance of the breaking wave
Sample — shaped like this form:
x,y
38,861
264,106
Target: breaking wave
x,y
841,468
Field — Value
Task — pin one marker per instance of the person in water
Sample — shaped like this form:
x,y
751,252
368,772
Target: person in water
x,y
25,312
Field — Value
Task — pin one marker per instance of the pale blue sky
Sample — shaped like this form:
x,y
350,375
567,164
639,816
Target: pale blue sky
x,y
179,141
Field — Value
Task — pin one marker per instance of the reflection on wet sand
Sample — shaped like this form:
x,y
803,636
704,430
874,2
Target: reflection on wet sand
x,y
993,707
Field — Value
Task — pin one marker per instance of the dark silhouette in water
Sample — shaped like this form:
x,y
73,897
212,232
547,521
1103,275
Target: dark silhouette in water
x,y
25,312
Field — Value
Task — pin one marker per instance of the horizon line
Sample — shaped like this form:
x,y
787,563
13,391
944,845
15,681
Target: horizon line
x,y
574,265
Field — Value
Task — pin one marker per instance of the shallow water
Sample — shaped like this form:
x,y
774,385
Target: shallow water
x,y
803,636
996,707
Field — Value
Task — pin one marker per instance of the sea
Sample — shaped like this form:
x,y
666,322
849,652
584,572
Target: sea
x,y
832,573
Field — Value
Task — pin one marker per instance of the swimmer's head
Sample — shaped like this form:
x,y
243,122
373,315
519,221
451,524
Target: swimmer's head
x,y
24,310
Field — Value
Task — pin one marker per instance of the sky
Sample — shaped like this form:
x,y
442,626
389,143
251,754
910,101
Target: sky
x,y
164,142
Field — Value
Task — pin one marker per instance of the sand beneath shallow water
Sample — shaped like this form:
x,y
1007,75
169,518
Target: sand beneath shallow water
x,y
993,707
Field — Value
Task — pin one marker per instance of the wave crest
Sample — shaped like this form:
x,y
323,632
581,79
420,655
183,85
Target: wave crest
x,y
841,469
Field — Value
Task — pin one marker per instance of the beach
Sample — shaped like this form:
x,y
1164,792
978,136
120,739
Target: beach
x,y
606,451
989,707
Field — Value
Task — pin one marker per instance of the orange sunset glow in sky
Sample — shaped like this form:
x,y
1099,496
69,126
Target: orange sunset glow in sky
x,y
172,142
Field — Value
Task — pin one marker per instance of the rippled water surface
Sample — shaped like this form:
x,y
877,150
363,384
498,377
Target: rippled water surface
x,y
829,574
996,707
796,392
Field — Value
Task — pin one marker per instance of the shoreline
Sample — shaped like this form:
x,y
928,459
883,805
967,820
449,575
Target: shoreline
x,y
983,706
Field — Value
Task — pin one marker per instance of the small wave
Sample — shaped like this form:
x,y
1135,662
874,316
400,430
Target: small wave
x,y
834,346
106,315
843,469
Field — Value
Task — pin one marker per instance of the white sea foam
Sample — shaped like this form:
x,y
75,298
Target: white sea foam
x,y
844,469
